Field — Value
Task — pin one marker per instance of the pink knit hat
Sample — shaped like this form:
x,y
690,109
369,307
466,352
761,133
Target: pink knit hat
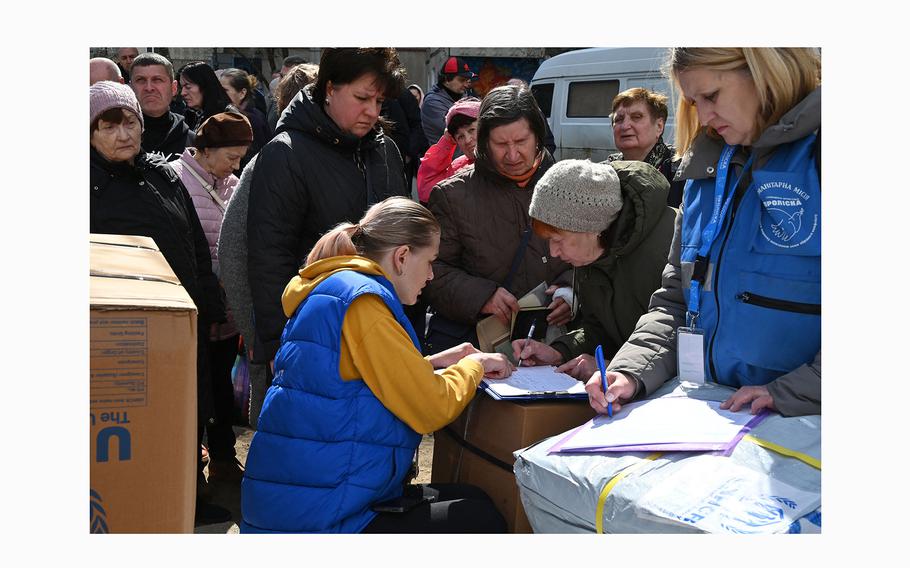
x,y
469,107
105,95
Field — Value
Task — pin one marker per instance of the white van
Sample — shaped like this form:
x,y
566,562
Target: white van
x,y
575,91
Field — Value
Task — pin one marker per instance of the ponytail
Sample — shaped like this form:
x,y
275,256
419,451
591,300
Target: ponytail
x,y
394,222
337,242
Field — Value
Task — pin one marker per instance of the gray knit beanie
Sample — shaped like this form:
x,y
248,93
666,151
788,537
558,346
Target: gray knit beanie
x,y
577,195
105,95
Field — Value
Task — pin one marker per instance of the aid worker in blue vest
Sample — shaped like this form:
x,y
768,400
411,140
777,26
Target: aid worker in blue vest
x,y
352,394
740,300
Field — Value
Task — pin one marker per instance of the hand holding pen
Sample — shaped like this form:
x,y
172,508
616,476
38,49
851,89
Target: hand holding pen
x,y
599,355
608,390
525,346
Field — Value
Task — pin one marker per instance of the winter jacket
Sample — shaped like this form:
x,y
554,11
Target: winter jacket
x,y
436,104
398,128
661,156
614,290
760,299
271,115
417,143
165,135
210,212
483,216
437,164
148,199
309,177
330,441
261,134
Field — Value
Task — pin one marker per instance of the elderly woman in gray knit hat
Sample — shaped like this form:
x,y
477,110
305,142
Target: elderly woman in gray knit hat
x,y
611,222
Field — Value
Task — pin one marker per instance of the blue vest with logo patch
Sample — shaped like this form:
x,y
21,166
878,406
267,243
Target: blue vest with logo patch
x,y
326,448
761,298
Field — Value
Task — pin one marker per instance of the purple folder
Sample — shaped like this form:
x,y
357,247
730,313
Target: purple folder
x,y
723,449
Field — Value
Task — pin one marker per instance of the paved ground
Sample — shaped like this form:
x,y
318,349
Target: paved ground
x,y
229,496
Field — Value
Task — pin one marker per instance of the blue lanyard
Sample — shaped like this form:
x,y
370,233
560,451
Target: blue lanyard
x,y
711,230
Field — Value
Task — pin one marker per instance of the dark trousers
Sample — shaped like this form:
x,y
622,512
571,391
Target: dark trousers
x,y
203,391
458,508
220,431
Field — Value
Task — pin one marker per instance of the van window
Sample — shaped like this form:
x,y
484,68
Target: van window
x,y
543,93
591,98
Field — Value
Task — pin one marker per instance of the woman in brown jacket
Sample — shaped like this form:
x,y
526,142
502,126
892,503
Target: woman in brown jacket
x,y
483,212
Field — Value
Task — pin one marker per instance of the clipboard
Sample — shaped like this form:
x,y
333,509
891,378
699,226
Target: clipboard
x,y
533,395
534,383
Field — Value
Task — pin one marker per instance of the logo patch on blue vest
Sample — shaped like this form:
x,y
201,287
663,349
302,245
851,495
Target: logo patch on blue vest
x,y
789,219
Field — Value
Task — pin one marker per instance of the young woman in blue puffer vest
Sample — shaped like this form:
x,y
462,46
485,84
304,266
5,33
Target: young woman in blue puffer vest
x,y
352,394
745,265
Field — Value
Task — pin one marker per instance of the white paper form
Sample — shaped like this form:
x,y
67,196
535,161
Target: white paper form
x,y
669,420
718,496
528,380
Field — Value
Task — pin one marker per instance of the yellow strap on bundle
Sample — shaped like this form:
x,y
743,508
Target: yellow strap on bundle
x,y
601,501
817,464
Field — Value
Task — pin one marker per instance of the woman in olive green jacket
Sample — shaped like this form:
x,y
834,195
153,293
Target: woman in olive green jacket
x,y
611,222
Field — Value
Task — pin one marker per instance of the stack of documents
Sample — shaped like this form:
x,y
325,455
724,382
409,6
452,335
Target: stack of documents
x,y
533,383
669,424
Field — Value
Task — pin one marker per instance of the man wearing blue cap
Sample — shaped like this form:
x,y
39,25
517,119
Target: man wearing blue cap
x,y
454,78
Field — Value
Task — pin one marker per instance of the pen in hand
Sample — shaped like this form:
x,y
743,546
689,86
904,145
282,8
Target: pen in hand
x,y
599,355
525,346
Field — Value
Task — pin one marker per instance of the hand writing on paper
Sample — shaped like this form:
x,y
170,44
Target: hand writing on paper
x,y
501,304
581,367
495,365
452,355
535,353
620,389
758,396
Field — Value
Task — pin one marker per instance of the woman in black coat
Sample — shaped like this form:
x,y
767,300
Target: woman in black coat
x,y
203,94
240,87
328,163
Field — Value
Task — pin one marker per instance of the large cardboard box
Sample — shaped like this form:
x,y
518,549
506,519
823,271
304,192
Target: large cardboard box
x,y
477,448
143,390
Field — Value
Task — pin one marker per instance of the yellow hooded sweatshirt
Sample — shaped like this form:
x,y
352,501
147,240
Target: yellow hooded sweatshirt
x,y
376,349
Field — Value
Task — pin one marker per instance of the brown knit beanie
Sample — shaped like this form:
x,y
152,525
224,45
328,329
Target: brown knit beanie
x,y
224,129
105,95
577,195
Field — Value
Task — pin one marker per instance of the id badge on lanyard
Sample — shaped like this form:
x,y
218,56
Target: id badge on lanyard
x,y
690,355
690,340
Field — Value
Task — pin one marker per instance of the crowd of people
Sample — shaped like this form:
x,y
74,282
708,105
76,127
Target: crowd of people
x,y
291,221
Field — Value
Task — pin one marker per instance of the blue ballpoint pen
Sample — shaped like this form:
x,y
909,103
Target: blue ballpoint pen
x,y
525,346
599,355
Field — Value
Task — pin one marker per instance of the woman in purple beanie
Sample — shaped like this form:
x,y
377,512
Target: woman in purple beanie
x,y
135,193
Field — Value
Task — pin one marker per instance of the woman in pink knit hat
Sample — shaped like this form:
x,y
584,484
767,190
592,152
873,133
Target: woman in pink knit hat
x,y
461,132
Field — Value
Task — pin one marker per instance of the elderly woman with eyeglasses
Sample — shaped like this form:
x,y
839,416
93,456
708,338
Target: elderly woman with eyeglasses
x,y
639,117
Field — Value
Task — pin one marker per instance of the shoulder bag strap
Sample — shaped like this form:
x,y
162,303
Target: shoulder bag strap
x,y
208,187
516,261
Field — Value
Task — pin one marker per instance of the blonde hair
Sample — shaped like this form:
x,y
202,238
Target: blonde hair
x,y
783,76
391,223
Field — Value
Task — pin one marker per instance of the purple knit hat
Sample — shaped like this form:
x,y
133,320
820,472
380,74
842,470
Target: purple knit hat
x,y
105,95
469,107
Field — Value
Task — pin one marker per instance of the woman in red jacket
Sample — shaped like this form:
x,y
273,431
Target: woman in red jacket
x,y
461,132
